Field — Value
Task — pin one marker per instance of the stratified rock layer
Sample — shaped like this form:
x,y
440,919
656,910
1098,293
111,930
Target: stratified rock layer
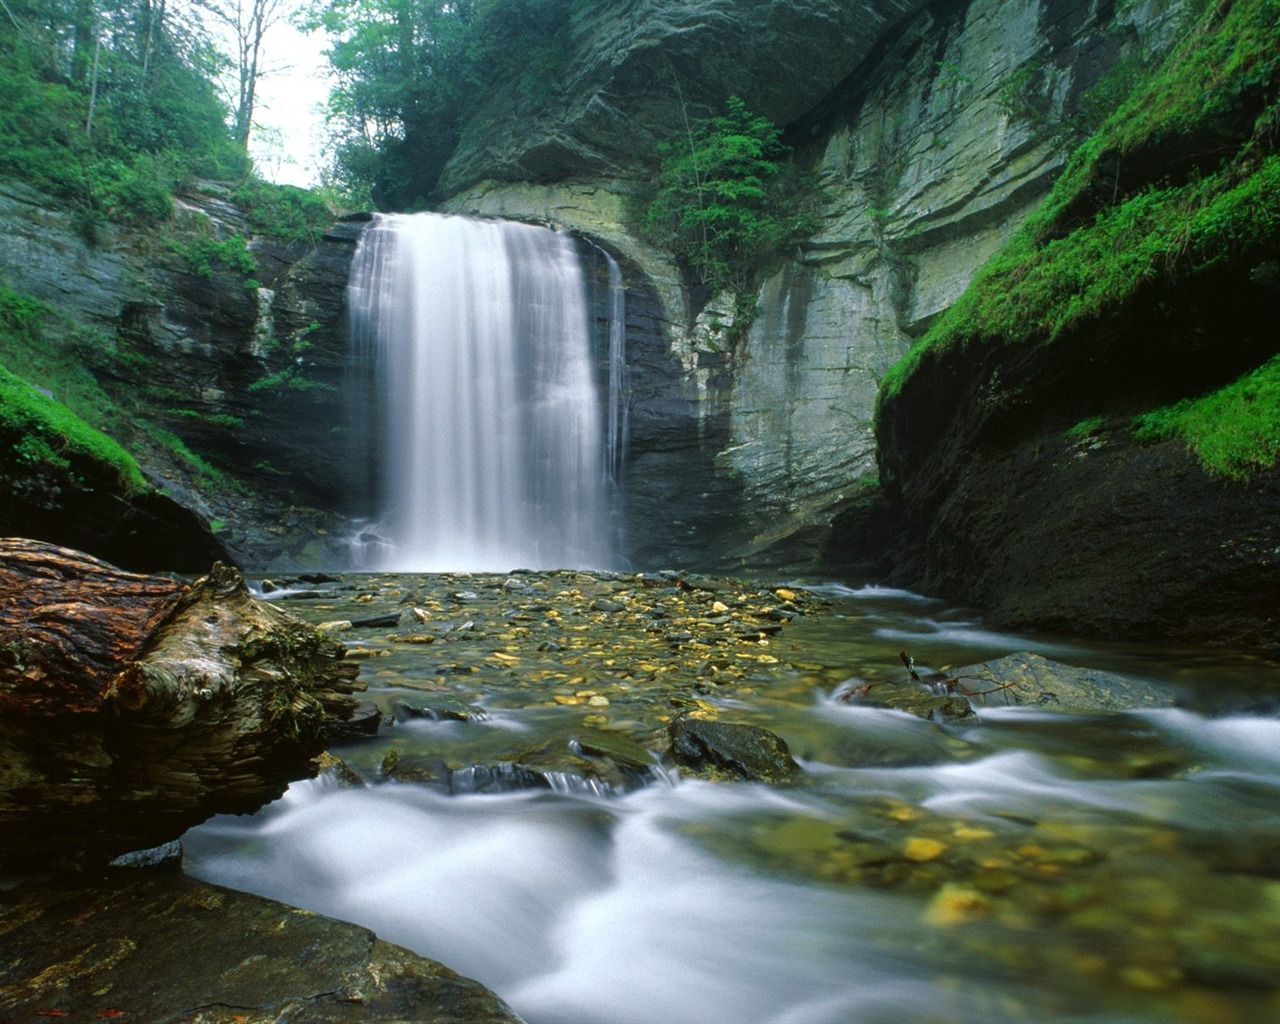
x,y
751,440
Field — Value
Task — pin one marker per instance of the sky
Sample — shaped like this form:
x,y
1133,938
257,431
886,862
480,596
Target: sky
x,y
291,98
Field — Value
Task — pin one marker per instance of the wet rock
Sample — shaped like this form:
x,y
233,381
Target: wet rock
x,y
623,752
917,699
742,751
364,721
121,946
1029,679
437,707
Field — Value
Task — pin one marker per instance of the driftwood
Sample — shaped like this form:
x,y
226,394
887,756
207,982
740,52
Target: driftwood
x,y
132,707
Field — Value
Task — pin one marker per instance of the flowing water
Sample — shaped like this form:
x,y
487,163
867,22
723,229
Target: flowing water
x,y
489,419
1025,865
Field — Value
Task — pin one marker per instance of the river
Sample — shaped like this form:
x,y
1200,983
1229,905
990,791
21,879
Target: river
x,y
1022,865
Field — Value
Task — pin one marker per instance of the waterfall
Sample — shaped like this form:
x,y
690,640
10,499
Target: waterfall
x,y
492,449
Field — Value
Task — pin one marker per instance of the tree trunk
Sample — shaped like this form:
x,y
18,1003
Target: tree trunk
x,y
133,707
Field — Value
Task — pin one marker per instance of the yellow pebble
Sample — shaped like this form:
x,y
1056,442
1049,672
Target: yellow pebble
x,y
955,905
921,848
719,606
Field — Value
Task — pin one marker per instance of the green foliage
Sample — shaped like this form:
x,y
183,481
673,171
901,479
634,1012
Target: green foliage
x,y
203,253
1086,428
49,434
1235,431
178,448
290,378
725,203
408,74
42,347
285,212
1102,233
112,138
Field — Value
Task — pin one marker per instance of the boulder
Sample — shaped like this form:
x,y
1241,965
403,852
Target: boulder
x,y
727,749
1026,679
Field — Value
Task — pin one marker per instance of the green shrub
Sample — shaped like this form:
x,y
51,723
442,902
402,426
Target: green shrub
x,y
203,253
724,202
283,211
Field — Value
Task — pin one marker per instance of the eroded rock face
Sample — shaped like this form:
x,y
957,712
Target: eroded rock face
x,y
197,354
1097,534
638,70
930,155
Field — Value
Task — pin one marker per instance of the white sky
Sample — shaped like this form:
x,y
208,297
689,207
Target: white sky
x,y
291,98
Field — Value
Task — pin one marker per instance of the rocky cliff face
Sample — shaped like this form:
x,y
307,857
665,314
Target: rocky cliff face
x,y
635,72
935,130
233,385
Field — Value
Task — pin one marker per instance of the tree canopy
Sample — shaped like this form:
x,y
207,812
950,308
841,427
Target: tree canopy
x,y
408,73
110,103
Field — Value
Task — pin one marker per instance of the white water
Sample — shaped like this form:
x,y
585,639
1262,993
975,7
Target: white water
x,y
491,428
583,910
690,903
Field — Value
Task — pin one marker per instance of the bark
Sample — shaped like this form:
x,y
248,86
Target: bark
x,y
132,707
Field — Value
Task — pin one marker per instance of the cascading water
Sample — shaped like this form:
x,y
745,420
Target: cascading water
x,y
494,452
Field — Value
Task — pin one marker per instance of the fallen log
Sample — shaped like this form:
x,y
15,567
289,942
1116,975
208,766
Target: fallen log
x,y
133,707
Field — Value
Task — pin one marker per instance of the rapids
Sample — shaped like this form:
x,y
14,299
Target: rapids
x,y
1026,865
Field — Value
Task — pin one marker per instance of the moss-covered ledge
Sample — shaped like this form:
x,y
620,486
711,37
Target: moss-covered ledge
x,y
1087,438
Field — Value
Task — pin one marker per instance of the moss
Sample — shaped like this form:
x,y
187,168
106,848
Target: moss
x,y
1121,215
1086,428
1235,431
178,448
49,434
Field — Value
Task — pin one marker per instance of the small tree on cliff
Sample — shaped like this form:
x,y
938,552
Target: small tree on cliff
x,y
724,202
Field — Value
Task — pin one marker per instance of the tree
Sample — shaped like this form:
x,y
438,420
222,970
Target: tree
x,y
248,22
403,71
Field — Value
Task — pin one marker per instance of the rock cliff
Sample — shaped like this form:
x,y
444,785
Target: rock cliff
x,y
226,387
935,130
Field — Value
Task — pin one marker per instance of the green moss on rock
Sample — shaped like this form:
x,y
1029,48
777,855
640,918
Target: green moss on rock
x,y
1180,181
47,433
1234,430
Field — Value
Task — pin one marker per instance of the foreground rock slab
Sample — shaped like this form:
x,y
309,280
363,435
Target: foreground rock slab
x,y
133,707
160,948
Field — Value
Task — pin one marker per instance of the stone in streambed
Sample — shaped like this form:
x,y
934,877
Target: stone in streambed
x,y
744,751
163,948
437,708
364,721
1031,680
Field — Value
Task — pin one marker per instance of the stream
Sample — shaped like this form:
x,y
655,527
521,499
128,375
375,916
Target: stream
x,y
1021,865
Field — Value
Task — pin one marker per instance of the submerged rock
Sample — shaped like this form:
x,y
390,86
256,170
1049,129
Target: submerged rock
x,y
120,945
1029,679
744,751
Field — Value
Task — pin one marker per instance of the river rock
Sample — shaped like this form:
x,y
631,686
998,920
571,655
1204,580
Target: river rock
x,y
160,948
1027,679
741,751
